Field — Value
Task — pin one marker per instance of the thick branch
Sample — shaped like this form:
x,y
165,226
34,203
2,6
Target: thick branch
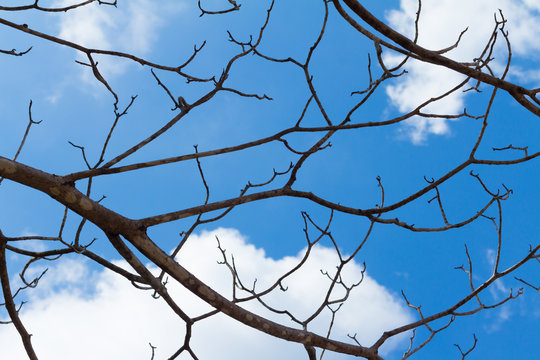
x,y
518,92
113,223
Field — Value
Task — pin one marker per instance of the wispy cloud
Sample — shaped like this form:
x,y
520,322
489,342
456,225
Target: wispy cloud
x,y
498,292
530,76
502,315
440,25
72,304
31,245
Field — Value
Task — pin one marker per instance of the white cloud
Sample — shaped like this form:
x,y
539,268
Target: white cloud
x,y
440,24
88,26
131,27
79,314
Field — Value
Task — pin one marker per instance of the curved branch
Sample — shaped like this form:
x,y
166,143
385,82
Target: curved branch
x,y
10,305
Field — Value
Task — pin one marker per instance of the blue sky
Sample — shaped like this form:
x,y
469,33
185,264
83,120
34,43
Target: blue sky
x,y
86,303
